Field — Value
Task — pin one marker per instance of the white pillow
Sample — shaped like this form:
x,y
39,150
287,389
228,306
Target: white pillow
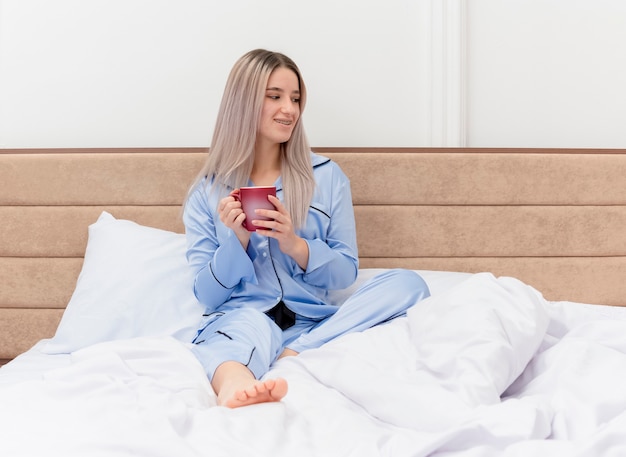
x,y
135,282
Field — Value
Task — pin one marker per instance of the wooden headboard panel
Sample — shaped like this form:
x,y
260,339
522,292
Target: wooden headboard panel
x,y
552,218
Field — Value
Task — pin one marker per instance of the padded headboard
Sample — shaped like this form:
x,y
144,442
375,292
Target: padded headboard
x,y
552,218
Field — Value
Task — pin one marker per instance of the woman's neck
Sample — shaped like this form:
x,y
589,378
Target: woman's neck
x,y
267,166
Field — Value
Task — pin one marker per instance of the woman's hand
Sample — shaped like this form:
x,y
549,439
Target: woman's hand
x,y
232,216
281,229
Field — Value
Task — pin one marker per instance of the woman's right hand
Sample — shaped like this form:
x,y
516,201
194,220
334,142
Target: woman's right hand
x,y
232,216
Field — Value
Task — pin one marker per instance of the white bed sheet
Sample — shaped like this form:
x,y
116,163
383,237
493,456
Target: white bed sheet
x,y
484,367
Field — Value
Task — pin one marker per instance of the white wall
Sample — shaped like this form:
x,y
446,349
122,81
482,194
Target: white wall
x,y
134,73
100,73
547,73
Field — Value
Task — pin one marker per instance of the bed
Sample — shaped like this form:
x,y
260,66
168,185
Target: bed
x,y
520,350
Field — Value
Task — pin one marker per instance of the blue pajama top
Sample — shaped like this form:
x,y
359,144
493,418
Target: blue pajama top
x,y
229,277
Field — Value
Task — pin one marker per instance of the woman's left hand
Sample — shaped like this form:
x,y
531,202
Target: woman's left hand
x,y
281,228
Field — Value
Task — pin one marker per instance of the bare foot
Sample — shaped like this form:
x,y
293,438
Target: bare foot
x,y
248,392
236,386
287,353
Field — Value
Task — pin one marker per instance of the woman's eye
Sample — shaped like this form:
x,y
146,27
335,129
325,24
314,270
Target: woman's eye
x,y
295,100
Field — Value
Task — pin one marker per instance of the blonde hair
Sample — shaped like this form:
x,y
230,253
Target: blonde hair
x,y
231,155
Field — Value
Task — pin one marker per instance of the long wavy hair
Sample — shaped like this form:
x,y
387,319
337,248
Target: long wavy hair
x,y
231,156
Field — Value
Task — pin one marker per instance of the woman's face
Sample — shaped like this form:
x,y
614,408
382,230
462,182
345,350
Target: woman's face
x,y
281,107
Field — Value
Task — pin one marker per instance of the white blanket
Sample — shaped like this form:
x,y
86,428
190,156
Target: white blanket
x,y
488,368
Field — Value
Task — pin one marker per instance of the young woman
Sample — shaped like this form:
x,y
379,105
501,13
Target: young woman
x,y
268,294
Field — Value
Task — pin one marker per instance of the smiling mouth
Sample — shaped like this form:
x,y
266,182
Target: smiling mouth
x,y
283,122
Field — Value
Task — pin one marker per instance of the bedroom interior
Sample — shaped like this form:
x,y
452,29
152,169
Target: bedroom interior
x,y
501,184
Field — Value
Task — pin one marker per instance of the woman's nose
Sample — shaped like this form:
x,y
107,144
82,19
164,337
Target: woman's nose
x,y
288,107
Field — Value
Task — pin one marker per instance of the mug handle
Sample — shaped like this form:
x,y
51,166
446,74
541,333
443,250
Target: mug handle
x,y
237,196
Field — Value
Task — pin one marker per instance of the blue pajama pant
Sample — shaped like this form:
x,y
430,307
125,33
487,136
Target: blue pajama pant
x,y
250,337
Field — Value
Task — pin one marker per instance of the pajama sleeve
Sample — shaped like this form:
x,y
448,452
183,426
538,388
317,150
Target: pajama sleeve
x,y
333,261
219,263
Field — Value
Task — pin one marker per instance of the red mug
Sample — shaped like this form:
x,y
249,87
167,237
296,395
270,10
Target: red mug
x,y
253,198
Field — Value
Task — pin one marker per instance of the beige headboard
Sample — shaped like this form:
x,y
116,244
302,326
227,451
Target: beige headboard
x,y
552,218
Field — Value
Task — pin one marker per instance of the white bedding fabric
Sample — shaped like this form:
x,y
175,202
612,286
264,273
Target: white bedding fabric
x,y
486,367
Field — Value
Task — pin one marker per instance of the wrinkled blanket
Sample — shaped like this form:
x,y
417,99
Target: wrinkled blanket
x,y
487,368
